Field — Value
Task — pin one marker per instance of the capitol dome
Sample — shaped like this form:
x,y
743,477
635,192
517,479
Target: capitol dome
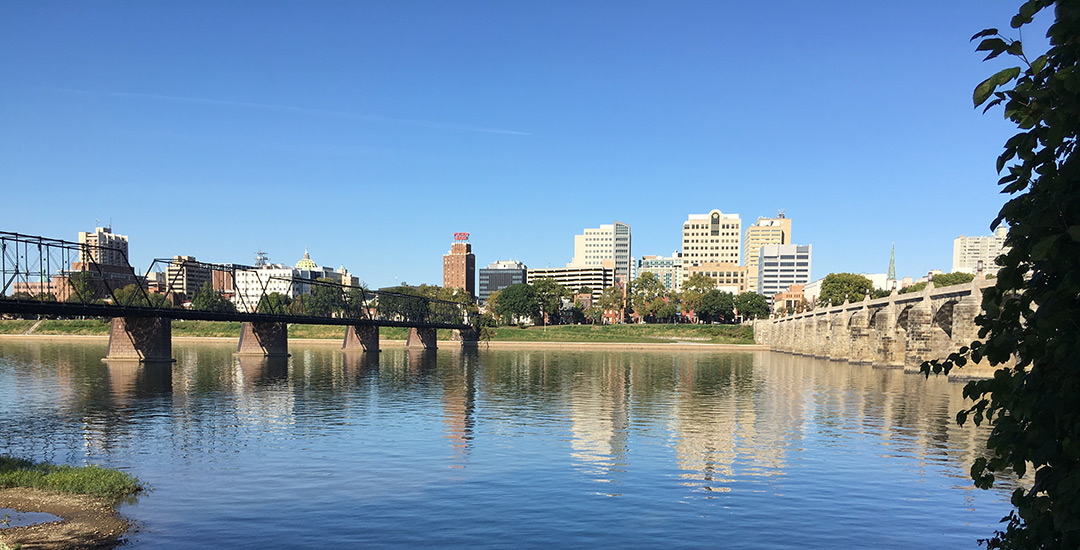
x,y
306,263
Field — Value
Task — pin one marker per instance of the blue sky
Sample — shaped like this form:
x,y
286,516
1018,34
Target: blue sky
x,y
370,132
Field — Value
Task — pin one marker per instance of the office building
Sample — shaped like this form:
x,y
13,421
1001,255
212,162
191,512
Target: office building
x,y
766,231
104,247
609,242
970,254
597,278
728,277
459,265
500,275
667,270
710,238
185,276
783,265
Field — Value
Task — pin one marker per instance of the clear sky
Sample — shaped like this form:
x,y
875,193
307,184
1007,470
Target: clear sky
x,y
369,132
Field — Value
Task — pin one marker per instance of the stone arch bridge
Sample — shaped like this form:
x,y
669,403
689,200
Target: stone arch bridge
x,y
899,331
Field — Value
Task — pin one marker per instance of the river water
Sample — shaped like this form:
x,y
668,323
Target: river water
x,y
507,448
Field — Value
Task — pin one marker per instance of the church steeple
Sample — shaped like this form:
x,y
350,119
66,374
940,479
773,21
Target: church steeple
x,y
892,263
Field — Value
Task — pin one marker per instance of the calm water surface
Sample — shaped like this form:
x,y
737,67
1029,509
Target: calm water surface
x,y
507,448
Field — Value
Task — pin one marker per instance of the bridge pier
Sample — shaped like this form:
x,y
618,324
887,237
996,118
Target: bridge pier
x,y
143,339
362,337
469,337
268,339
919,346
421,337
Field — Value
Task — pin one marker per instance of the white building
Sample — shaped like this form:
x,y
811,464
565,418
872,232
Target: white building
x,y
113,247
971,253
253,284
609,242
710,238
783,265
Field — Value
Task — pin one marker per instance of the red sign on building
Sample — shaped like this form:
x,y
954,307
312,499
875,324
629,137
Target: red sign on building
x,y
461,236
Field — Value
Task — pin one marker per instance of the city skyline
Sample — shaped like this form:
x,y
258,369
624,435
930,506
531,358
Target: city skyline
x,y
354,115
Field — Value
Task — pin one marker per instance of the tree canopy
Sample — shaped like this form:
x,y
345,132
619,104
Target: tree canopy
x,y
716,305
517,302
550,295
752,305
840,286
208,299
1028,326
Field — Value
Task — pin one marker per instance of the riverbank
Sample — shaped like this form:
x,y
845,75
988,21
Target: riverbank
x,y
80,497
586,334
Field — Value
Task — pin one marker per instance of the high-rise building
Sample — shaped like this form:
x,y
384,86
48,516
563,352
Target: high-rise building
x,y
459,265
766,231
783,265
105,247
186,275
500,275
609,242
971,253
667,270
710,238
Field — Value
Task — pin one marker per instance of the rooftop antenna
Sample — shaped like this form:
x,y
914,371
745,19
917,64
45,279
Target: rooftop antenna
x,y
261,259
780,214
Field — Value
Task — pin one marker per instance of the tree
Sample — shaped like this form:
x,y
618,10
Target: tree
x,y
612,299
647,292
1030,313
550,295
694,288
517,302
83,288
752,305
403,303
716,305
326,298
274,303
208,299
133,296
838,287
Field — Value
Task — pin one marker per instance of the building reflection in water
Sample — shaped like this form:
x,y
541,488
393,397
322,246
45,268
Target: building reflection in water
x,y
458,379
723,417
600,418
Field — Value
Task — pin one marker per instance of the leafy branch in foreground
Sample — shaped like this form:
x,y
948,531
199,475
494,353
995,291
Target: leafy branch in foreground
x,y
1029,325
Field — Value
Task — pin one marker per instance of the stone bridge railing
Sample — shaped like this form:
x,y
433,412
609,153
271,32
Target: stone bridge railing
x,y
901,330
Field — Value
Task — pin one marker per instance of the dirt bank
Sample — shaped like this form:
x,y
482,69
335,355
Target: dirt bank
x,y
88,522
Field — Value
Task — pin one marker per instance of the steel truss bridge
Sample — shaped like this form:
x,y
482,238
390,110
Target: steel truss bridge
x,y
51,277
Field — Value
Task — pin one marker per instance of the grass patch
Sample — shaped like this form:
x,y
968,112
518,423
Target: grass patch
x,y
15,326
87,480
206,329
74,326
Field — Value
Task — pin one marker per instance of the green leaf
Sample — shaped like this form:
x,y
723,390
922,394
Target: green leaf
x,y
1074,233
984,32
1027,11
987,87
1044,247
